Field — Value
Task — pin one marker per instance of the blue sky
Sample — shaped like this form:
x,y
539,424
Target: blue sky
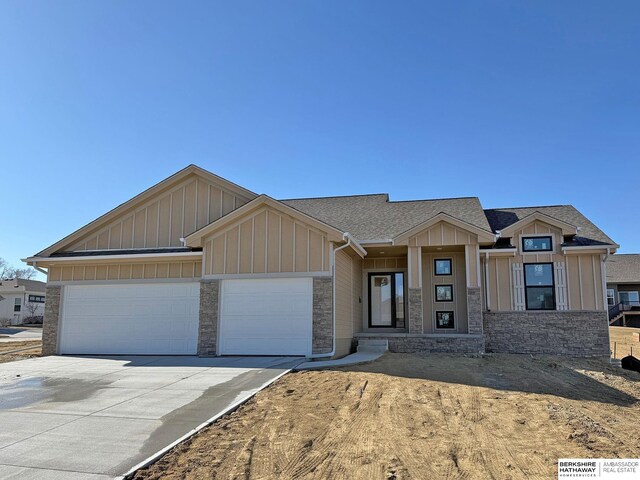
x,y
519,103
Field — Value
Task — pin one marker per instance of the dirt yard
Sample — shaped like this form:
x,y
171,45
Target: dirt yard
x,y
27,349
420,417
622,339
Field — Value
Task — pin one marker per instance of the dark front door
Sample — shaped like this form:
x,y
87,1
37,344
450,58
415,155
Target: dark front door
x,y
386,300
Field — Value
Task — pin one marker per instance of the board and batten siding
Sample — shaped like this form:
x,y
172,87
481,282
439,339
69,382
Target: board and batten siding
x,y
457,279
582,274
125,271
442,234
266,241
162,220
348,305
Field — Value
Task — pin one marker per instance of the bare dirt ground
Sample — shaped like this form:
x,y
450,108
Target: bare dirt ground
x,y
622,339
27,349
410,416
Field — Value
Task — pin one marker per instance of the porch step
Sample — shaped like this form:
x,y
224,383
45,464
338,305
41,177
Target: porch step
x,y
373,345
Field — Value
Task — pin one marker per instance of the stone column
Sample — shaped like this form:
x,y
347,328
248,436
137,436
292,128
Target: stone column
x,y
322,315
474,292
208,322
414,300
51,320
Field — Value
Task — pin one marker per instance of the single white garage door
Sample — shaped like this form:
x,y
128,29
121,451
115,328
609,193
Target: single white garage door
x,y
146,319
266,317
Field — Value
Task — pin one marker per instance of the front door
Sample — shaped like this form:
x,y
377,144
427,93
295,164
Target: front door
x,y
386,300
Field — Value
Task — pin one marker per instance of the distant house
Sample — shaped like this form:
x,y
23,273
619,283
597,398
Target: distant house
x,y
623,289
21,299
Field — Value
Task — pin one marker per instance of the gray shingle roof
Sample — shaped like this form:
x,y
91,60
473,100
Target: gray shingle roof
x,y
374,217
623,268
30,285
589,234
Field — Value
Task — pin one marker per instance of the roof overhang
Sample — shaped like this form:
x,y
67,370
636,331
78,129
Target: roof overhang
x,y
566,228
586,249
127,258
196,238
484,236
499,252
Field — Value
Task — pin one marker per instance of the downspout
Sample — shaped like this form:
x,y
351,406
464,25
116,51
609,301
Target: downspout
x,y
347,236
486,281
40,269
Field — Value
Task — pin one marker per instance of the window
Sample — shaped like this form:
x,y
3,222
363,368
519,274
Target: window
x,y
17,306
629,298
442,266
536,244
540,291
36,298
611,296
444,293
445,320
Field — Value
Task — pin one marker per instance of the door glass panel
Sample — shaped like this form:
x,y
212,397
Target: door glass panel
x,y
399,300
381,308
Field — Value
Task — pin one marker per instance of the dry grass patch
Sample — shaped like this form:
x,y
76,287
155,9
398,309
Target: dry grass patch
x,y
415,417
11,351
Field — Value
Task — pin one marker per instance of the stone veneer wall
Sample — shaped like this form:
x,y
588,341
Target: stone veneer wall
x,y
51,320
440,343
322,314
474,309
208,323
574,333
415,310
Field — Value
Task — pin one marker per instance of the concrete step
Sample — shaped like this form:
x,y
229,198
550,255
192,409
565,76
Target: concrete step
x,y
373,345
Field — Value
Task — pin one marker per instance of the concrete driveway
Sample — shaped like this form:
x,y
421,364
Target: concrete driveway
x,y
19,334
96,417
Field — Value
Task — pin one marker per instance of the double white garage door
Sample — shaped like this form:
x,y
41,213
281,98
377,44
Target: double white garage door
x,y
257,317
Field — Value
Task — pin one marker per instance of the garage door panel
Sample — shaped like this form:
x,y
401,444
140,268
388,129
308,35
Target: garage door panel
x,y
266,316
130,319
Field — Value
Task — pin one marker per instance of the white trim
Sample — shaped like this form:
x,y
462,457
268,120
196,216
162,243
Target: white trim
x,y
606,248
511,252
145,256
248,276
127,281
377,243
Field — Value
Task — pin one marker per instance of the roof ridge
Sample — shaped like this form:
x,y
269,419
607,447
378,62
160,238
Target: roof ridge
x,y
435,199
533,206
335,196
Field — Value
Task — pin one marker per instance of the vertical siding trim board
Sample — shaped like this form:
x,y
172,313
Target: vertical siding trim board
x,y
518,287
561,286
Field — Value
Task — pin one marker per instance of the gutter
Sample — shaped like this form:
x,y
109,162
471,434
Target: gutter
x,y
351,242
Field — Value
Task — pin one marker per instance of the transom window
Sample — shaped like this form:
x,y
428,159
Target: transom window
x,y
539,285
36,298
442,266
536,244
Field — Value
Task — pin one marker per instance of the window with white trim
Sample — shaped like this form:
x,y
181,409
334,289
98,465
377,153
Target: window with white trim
x,y
611,296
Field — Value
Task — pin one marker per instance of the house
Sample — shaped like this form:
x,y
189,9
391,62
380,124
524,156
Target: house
x,y
199,265
623,289
21,299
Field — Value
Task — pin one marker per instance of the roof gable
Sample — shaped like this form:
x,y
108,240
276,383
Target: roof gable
x,y
161,215
469,233
238,215
565,228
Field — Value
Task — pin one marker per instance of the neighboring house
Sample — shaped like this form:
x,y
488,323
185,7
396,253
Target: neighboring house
x,y
623,289
21,299
199,265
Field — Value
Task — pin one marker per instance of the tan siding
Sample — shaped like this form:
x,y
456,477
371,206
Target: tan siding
x,y
126,271
344,303
358,295
266,238
458,280
162,220
443,234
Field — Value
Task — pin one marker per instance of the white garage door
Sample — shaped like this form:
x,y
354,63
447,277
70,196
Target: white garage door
x,y
147,319
266,317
